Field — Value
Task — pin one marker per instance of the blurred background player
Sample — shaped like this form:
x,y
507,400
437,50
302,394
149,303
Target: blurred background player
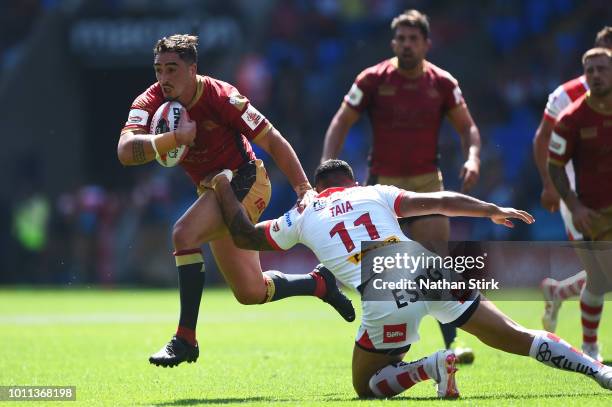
x,y
555,292
583,134
371,214
406,98
224,123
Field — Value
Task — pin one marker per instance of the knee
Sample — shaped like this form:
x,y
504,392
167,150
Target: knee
x,y
249,295
182,237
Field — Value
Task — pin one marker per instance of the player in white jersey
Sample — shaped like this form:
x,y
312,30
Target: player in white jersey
x,y
344,215
555,292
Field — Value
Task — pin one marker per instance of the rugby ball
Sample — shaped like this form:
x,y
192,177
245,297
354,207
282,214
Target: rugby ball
x,y
166,119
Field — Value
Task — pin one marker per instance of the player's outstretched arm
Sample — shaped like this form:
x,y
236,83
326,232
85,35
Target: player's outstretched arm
x,y
339,127
286,159
244,234
455,204
549,197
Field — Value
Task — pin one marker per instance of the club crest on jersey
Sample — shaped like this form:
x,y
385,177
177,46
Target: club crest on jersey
x,y
319,205
275,227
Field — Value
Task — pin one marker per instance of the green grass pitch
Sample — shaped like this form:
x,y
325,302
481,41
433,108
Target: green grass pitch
x,y
294,352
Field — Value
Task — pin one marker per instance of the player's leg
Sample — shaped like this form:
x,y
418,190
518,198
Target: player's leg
x,y
381,343
555,292
598,282
433,232
242,272
203,220
497,330
383,376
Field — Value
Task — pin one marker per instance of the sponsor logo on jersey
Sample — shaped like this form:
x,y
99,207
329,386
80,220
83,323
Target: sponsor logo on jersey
x,y
138,116
288,219
394,333
354,96
251,117
557,144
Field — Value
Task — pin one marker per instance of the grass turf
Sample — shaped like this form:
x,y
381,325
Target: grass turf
x,y
294,352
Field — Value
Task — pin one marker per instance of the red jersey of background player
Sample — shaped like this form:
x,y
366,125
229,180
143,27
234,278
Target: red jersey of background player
x,y
406,115
563,96
584,135
225,123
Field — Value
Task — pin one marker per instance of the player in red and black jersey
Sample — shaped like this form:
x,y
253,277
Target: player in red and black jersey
x,y
220,125
407,98
583,135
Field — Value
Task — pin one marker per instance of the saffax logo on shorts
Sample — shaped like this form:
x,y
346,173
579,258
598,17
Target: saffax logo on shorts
x,y
394,333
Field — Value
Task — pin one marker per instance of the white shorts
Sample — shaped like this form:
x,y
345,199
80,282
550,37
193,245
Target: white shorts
x,y
570,229
566,215
385,328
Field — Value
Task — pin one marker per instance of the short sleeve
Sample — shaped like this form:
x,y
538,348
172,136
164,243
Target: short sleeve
x,y
359,96
557,101
236,111
143,108
451,92
392,196
283,233
562,141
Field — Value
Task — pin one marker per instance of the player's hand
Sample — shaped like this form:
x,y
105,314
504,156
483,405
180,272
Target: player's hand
x,y
502,216
583,218
550,199
185,132
470,172
212,179
308,197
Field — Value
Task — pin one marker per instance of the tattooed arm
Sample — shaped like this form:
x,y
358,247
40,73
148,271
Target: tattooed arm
x,y
244,234
134,148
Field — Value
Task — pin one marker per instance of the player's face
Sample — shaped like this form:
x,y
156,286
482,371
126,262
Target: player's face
x,y
410,46
598,72
173,74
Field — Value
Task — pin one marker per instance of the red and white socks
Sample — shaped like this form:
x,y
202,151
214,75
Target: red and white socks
x,y
553,351
396,378
591,307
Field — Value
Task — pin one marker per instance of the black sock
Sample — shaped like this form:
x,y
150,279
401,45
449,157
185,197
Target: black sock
x,y
191,276
290,285
449,332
